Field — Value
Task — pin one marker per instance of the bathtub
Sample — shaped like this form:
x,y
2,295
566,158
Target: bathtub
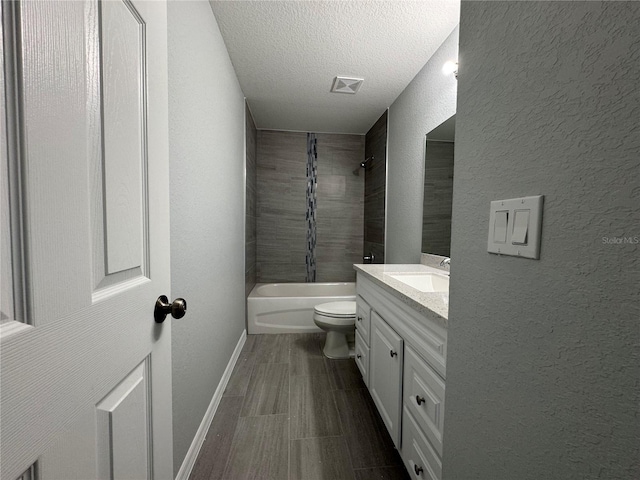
x,y
288,307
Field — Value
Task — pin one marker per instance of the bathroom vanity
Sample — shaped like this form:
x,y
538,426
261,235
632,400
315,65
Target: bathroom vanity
x,y
401,347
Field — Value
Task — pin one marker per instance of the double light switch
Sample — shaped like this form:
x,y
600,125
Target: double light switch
x,y
515,227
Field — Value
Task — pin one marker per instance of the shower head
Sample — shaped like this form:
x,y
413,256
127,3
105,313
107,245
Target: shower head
x,y
364,164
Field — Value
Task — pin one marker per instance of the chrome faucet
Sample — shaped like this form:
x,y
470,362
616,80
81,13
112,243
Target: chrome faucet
x,y
369,258
446,262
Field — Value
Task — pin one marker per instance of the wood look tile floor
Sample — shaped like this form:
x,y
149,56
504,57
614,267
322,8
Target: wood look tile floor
x,y
289,413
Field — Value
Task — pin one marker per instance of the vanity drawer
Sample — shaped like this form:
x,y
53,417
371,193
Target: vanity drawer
x,y
363,319
419,457
362,358
424,396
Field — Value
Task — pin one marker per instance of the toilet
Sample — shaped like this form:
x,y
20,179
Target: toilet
x,y
338,319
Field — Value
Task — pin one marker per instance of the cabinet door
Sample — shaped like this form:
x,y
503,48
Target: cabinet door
x,y
362,358
363,319
385,375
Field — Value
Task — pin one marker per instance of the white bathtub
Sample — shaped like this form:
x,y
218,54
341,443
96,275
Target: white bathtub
x,y
288,307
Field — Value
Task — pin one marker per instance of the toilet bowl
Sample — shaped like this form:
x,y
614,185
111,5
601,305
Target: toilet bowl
x,y
338,319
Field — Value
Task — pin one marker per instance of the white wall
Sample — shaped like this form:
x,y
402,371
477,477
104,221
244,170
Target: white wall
x,y
542,363
427,101
206,132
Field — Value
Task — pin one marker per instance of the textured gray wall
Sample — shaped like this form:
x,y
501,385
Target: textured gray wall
x,y
281,206
542,364
206,135
427,101
375,188
438,195
250,203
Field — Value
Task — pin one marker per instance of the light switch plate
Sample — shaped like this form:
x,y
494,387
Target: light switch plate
x,y
532,229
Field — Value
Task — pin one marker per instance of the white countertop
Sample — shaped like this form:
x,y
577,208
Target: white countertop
x,y
427,303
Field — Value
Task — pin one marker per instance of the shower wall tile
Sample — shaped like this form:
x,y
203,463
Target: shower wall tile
x,y
250,211
281,206
375,189
281,194
340,215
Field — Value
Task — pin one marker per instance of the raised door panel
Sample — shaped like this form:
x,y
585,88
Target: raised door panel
x,y
123,429
385,376
119,186
122,38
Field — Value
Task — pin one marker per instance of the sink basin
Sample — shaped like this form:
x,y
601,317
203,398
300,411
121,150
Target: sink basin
x,y
425,282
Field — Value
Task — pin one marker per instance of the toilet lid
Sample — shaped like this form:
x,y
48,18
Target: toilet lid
x,y
337,309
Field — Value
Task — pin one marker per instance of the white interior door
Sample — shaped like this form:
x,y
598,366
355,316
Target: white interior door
x,y
85,370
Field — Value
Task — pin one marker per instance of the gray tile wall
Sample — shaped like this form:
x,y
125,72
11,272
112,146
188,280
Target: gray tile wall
x,y
281,206
438,193
340,214
250,212
375,189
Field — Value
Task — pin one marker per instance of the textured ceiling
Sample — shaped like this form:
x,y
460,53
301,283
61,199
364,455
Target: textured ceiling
x,y
287,53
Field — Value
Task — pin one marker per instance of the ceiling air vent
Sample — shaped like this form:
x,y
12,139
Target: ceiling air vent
x,y
346,85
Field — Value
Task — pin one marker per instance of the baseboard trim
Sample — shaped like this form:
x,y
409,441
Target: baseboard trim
x,y
192,454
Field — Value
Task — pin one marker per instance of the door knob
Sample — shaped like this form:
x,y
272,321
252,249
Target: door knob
x,y
177,308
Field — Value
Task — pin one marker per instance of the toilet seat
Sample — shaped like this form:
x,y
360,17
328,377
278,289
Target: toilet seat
x,y
336,321
336,309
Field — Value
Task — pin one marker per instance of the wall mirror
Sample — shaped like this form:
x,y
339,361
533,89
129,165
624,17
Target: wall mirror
x,y
438,189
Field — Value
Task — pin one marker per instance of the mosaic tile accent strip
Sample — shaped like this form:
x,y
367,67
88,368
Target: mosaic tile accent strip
x,y
312,184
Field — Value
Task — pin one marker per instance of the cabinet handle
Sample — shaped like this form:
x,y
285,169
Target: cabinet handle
x,y
419,400
393,354
358,356
359,319
417,469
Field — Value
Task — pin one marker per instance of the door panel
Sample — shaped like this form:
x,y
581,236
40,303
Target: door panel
x,y
385,374
119,176
124,136
122,431
86,386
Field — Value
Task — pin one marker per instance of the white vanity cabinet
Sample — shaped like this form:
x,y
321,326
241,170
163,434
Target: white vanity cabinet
x,y
403,363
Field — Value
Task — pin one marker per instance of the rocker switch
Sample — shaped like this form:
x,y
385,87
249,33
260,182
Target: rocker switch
x,y
520,227
500,227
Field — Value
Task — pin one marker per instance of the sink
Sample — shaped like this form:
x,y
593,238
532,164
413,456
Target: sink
x,y
425,282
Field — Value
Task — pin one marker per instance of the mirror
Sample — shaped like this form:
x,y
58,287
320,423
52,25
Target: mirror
x,y
438,189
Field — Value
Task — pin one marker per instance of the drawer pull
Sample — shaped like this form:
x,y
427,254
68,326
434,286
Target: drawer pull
x,y
358,356
419,400
393,354
417,469
359,319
